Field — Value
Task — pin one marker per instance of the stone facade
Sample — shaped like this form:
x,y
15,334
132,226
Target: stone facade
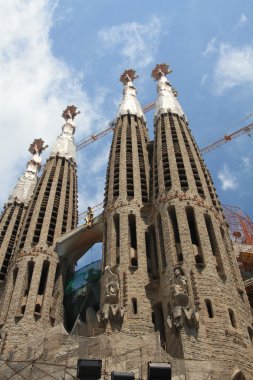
x,y
171,289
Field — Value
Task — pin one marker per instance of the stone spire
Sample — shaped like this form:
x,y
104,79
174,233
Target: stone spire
x,y
129,103
167,96
199,280
34,287
24,188
65,145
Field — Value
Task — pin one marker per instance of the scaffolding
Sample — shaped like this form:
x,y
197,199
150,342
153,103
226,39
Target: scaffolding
x,y
241,232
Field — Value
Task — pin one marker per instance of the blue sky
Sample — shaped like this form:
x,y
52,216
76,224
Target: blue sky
x,y
54,53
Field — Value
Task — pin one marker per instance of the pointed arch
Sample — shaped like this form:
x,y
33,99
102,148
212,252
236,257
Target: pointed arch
x,y
238,375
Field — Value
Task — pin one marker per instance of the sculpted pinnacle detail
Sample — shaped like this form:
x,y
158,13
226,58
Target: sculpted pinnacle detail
x,y
160,70
70,113
167,96
128,76
37,146
129,103
65,145
23,191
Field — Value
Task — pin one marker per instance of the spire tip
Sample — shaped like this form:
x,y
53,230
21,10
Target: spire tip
x,y
37,146
70,113
128,76
161,69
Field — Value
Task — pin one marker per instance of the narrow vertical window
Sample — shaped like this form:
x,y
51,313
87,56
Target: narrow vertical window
x,y
232,318
117,236
194,235
209,308
15,275
161,241
30,267
42,286
133,240
55,294
158,320
134,306
214,243
28,280
174,224
148,253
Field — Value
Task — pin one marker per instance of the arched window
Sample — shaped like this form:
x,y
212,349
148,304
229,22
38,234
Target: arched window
x,y
238,375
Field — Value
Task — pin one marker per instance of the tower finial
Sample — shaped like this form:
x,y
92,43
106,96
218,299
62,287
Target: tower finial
x,y
70,113
161,69
128,76
37,146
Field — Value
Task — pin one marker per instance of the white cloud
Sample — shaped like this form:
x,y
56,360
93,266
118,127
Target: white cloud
x,y
242,20
35,87
203,79
246,163
234,67
210,47
136,43
227,178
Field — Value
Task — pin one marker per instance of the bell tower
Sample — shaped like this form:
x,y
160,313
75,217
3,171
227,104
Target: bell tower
x,y
204,306
14,210
34,292
124,304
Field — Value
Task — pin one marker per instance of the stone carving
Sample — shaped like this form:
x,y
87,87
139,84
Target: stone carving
x,y
111,306
181,310
89,217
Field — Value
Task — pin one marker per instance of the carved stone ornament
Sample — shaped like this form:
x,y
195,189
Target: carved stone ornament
x,y
111,307
128,76
181,312
37,146
70,113
160,70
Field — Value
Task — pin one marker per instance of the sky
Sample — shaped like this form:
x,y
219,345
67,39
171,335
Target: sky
x,y
55,53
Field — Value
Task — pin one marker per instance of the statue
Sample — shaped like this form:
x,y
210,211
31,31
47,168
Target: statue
x,y
111,296
111,285
89,217
181,310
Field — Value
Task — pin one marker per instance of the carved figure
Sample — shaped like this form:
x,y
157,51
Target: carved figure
x,y
111,286
181,310
111,305
89,217
180,288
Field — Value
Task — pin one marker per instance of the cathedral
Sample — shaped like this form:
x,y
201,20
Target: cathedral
x,y
166,302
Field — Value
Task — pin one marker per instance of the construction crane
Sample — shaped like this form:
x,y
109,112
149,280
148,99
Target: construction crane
x,y
244,130
111,125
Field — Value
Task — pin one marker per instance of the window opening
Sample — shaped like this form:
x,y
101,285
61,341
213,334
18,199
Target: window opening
x,y
161,241
194,235
232,318
134,306
209,308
